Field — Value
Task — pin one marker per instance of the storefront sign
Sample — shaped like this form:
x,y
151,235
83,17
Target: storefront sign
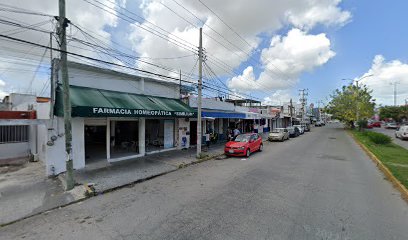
x,y
123,112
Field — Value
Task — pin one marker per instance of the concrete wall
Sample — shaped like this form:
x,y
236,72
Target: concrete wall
x,y
55,156
212,104
43,110
241,109
122,83
78,142
42,136
22,102
14,150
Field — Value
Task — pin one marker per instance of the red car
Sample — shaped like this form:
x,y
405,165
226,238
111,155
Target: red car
x,y
374,124
244,145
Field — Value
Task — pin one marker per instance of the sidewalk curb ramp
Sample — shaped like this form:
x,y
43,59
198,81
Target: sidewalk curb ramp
x,y
395,182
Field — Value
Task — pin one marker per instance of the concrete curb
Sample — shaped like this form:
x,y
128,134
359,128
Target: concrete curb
x,y
90,192
395,182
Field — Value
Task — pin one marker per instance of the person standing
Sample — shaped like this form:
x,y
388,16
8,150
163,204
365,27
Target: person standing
x,y
207,139
236,132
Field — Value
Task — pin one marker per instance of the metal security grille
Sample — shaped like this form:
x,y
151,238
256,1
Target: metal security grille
x,y
13,134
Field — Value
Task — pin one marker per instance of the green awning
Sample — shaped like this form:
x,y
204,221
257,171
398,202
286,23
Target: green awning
x,y
92,102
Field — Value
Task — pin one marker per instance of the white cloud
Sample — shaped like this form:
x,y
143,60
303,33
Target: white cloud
x,y
324,12
3,92
278,98
27,58
384,75
286,59
248,19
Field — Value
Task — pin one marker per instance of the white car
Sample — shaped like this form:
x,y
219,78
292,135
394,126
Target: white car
x,y
402,132
301,128
279,134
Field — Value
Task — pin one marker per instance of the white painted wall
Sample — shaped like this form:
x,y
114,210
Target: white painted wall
x,y
55,155
43,110
78,142
14,150
42,141
121,83
241,109
22,102
212,104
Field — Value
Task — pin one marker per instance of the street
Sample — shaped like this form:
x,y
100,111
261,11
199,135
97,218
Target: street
x,y
320,185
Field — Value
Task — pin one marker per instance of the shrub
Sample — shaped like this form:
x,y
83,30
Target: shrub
x,y
378,138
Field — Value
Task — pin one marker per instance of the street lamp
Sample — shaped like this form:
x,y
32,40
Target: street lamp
x,y
357,81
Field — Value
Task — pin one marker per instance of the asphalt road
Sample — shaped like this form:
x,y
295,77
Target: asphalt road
x,y
317,186
391,133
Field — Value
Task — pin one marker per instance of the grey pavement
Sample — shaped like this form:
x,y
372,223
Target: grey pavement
x,y
26,191
110,176
320,185
391,133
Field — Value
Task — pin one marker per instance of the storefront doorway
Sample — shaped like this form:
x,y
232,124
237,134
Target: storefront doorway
x,y
124,138
159,134
193,132
95,143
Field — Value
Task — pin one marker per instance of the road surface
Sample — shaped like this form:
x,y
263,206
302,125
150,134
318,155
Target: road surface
x,y
317,186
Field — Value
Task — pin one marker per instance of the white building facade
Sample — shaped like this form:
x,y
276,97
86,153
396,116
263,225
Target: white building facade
x,y
115,116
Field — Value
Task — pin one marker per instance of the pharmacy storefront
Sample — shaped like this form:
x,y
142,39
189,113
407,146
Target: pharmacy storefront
x,y
112,126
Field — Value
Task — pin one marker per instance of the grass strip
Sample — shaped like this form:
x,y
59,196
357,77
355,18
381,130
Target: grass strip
x,y
393,156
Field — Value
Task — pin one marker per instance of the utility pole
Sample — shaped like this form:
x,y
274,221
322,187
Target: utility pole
x,y
303,100
52,85
291,106
63,23
395,92
200,85
180,84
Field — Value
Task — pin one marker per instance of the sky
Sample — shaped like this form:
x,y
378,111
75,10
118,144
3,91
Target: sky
x,y
265,49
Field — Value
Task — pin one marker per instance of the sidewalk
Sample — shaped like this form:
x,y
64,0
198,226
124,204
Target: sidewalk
x,y
116,175
27,191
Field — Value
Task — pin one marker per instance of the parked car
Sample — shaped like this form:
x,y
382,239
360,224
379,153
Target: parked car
x,y
244,145
318,124
307,127
297,132
402,132
301,128
374,124
278,134
291,131
391,125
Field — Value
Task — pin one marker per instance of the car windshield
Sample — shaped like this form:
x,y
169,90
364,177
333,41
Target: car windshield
x,y
277,130
242,138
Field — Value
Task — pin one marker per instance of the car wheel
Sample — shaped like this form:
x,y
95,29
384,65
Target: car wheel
x,y
248,152
282,139
261,147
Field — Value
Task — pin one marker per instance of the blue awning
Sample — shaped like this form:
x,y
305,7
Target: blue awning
x,y
223,114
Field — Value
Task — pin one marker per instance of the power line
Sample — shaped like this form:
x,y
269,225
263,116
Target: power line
x,y
226,24
146,28
241,50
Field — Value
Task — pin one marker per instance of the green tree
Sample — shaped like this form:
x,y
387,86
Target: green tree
x,y
397,113
349,100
